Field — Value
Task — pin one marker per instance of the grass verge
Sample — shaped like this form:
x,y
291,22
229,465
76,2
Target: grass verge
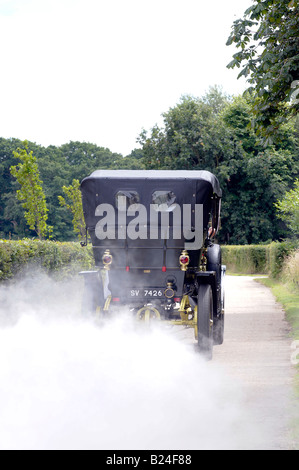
x,y
288,297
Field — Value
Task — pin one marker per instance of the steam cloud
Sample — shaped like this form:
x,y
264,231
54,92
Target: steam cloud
x,y
68,383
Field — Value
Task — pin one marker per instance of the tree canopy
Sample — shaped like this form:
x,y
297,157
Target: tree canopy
x,y
207,133
267,42
31,192
198,134
73,202
288,208
58,167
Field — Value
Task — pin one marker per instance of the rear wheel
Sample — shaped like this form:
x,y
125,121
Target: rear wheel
x,y
219,320
205,321
214,264
218,329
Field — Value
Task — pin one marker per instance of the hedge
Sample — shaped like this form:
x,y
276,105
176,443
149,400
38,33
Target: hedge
x,y
277,254
247,259
290,272
258,259
65,258
60,259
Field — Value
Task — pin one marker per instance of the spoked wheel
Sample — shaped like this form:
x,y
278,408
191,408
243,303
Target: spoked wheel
x,y
205,321
214,264
219,320
148,313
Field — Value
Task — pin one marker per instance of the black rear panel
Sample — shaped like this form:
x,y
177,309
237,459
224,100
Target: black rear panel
x,y
137,285
169,190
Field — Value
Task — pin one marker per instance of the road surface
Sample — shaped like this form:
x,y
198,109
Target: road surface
x,y
255,358
256,355
257,352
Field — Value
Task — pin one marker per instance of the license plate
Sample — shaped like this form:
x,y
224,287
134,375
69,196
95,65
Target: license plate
x,y
147,293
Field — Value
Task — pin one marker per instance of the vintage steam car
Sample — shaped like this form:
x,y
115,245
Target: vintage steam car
x,y
152,235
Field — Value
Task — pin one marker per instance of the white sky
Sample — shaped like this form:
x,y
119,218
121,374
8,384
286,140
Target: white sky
x,y
100,71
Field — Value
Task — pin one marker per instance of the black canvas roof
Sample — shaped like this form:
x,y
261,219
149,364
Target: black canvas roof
x,y
158,174
147,187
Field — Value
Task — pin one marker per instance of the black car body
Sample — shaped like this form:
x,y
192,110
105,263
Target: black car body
x,y
151,233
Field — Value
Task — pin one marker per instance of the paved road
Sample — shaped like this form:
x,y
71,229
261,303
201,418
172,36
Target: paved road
x,y
256,356
257,352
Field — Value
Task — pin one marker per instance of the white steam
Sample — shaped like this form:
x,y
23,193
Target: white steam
x,y
67,383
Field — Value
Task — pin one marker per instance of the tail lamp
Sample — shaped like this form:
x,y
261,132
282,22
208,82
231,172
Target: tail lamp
x,y
107,259
184,260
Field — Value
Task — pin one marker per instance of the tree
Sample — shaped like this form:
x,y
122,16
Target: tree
x,y
288,208
74,205
10,220
31,192
267,41
255,183
204,134
58,167
193,136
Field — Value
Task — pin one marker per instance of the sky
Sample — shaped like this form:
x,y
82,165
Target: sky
x,y
100,71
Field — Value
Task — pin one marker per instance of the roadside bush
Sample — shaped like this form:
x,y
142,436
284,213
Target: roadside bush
x,y
246,259
290,272
277,253
258,259
57,258
68,258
